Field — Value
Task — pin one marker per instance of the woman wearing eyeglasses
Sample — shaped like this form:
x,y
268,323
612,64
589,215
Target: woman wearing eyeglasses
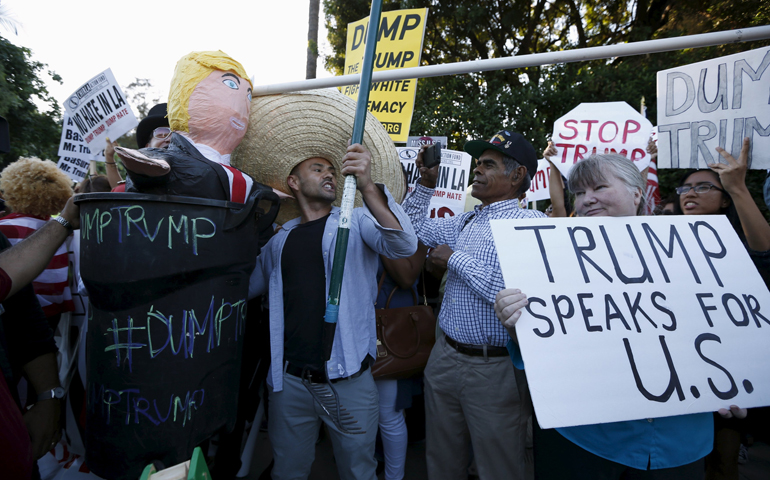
x,y
721,190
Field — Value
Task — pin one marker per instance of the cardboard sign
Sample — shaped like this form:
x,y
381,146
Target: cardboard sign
x,y
399,45
715,103
98,109
610,127
538,189
636,317
449,197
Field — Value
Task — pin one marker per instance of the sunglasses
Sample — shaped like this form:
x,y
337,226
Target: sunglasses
x,y
161,132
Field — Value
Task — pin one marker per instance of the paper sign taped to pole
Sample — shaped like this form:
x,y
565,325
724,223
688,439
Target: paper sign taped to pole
x,y
449,197
608,127
399,45
539,188
99,109
712,104
636,317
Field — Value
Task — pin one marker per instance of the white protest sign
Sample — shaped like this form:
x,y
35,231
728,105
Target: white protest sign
x,y
449,197
715,103
636,317
72,143
610,127
538,189
99,109
75,168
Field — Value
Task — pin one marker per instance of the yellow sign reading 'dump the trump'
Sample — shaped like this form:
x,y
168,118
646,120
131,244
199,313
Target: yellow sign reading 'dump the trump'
x,y
399,45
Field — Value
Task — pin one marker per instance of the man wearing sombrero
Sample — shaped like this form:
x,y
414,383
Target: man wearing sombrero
x,y
472,395
297,144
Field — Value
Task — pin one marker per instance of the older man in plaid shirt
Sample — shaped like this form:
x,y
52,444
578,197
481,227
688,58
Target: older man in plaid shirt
x,y
471,391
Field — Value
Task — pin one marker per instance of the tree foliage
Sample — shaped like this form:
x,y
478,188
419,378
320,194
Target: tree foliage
x,y
33,133
529,100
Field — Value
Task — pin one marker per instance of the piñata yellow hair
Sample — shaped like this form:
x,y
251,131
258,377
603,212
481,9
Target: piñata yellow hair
x,y
189,71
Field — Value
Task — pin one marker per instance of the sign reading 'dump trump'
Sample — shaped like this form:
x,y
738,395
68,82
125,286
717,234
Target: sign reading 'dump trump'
x,y
539,188
399,45
608,127
636,317
99,109
715,103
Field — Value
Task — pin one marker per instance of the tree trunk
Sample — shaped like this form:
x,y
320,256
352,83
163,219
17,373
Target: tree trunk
x,y
312,39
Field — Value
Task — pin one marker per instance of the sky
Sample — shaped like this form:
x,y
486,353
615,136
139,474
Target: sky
x,y
144,38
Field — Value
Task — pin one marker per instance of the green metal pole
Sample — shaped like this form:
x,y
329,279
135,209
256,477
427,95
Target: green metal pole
x,y
349,192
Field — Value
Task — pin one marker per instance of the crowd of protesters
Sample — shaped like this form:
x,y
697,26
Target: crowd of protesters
x,y
478,416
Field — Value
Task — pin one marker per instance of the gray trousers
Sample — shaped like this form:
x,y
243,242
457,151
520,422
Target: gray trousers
x,y
295,418
473,400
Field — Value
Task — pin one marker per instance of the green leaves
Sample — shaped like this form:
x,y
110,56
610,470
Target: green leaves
x,y
33,133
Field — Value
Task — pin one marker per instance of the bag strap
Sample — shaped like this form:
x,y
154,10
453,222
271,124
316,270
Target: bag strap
x,y
392,292
379,286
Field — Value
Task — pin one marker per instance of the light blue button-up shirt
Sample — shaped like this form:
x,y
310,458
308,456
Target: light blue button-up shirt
x,y
666,442
356,334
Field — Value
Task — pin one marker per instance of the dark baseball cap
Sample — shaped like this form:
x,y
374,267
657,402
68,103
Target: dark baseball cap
x,y
508,143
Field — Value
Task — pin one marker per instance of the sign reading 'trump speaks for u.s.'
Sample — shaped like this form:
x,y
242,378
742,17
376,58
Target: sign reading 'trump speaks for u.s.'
x,y
636,317
712,104
99,109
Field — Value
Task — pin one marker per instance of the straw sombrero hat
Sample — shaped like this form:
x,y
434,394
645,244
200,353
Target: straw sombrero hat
x,y
285,130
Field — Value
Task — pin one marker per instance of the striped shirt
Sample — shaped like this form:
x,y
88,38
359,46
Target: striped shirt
x,y
467,312
52,286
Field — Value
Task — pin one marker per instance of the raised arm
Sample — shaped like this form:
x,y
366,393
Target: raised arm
x,y
555,184
110,165
358,161
733,178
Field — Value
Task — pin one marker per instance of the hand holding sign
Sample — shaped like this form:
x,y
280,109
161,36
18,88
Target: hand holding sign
x,y
508,307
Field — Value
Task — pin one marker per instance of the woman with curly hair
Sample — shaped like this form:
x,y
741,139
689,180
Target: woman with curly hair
x,y
35,190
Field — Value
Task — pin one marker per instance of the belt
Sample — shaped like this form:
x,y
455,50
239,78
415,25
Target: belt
x,y
317,376
476,350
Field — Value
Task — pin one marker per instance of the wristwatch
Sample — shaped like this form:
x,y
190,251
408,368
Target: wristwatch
x,y
64,223
57,393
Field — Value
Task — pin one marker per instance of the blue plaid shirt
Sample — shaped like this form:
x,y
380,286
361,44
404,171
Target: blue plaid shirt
x,y
467,312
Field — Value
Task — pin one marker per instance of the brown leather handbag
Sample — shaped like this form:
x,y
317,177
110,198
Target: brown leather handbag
x,y
405,337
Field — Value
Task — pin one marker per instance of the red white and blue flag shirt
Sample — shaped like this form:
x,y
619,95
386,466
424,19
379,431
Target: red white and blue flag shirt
x,y
52,286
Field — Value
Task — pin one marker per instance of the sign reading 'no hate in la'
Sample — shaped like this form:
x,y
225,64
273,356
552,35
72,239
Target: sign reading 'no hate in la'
x,y
715,103
450,195
636,317
98,109
399,45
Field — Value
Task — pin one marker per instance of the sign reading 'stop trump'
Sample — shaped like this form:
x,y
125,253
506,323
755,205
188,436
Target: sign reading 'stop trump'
x,y
99,109
712,104
608,127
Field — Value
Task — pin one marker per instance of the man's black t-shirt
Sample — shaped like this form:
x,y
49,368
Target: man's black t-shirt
x,y
304,294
